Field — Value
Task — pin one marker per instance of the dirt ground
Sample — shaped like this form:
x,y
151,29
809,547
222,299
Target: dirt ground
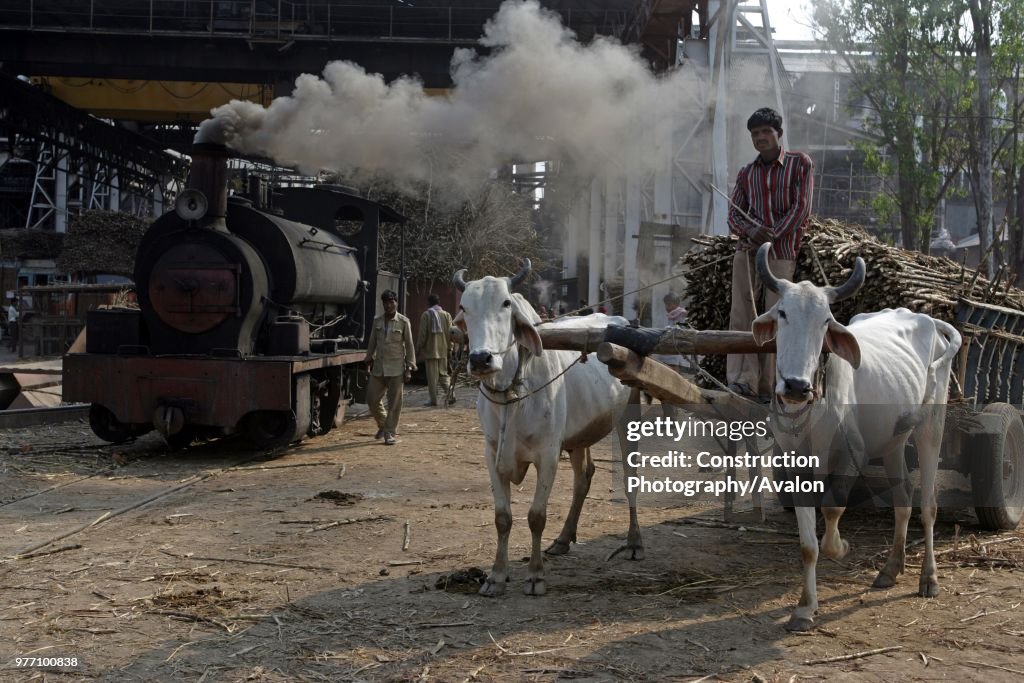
x,y
293,569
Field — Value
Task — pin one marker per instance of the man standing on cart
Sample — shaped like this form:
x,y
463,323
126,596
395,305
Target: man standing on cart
x,y
770,203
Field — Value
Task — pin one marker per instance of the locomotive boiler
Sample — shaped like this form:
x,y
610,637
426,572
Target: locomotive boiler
x,y
251,320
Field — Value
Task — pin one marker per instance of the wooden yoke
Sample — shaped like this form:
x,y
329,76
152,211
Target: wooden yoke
x,y
645,341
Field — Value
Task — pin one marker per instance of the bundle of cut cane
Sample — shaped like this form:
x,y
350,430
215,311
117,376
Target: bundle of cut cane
x,y
895,278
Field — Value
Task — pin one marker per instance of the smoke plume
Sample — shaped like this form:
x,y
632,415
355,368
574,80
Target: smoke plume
x,y
538,95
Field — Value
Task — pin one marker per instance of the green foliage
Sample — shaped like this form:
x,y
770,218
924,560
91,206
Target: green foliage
x,y
902,57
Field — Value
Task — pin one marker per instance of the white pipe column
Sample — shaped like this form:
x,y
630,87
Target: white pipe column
x,y
612,197
115,191
60,191
570,239
594,255
158,201
662,214
718,47
631,244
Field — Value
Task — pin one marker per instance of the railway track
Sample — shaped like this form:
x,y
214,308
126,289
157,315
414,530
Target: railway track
x,y
31,417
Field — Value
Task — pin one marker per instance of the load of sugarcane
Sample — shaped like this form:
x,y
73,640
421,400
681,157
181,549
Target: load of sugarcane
x,y
895,278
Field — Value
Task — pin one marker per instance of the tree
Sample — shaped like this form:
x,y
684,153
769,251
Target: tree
x,y
489,232
900,57
980,44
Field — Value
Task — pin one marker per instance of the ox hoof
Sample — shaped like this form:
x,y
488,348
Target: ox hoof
x,y
884,580
800,623
632,552
559,547
492,588
928,588
535,586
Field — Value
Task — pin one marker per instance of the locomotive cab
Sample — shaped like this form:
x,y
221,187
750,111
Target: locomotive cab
x,y
250,320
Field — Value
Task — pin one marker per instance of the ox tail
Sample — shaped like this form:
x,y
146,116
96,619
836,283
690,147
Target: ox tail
x,y
943,363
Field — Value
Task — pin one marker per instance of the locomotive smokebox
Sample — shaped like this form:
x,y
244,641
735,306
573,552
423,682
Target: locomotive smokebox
x,y
209,175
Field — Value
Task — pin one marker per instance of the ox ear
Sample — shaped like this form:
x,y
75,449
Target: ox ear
x,y
841,342
765,326
522,326
459,321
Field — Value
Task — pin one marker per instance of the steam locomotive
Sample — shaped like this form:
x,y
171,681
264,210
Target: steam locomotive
x,y
251,320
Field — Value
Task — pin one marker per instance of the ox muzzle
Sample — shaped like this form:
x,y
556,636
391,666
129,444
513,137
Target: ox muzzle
x,y
482,363
796,390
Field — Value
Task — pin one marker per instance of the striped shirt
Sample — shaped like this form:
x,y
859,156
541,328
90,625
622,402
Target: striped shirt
x,y
778,194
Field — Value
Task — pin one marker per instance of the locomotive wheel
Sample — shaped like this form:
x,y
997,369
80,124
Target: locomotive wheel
x,y
182,439
106,425
269,429
997,471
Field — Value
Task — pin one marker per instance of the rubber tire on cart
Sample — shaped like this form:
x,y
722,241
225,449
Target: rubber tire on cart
x,y
998,481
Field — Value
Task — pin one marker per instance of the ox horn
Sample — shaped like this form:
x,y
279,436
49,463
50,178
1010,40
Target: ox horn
x,y
763,271
850,287
521,275
459,279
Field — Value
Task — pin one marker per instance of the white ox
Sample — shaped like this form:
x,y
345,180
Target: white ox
x,y
886,379
532,406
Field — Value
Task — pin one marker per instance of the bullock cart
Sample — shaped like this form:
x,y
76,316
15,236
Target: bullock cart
x,y
984,437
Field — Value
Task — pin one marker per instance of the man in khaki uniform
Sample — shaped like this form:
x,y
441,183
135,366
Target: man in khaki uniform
x,y
433,347
391,357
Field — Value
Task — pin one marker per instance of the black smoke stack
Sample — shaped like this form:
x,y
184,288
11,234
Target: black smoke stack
x,y
209,175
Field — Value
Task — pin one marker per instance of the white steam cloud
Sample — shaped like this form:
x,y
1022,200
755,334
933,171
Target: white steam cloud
x,y
539,95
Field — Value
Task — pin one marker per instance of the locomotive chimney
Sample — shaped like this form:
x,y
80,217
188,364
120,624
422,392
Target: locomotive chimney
x,y
209,175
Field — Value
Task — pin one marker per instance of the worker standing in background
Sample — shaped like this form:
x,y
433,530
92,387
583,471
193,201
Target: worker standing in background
x,y
391,356
432,345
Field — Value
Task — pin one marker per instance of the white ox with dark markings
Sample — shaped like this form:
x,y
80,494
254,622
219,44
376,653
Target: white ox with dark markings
x,y
887,379
532,406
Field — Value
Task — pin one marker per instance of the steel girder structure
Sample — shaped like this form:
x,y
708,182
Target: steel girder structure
x,y
607,222
83,162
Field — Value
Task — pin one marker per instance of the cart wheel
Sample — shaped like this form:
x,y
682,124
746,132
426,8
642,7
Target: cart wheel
x,y
998,480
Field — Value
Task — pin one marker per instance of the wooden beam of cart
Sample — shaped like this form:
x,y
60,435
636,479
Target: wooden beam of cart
x,y
661,381
645,341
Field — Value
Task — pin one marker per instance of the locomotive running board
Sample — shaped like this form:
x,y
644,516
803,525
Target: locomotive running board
x,y
211,391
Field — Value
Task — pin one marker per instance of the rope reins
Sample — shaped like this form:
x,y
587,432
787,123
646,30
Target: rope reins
x,y
510,390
